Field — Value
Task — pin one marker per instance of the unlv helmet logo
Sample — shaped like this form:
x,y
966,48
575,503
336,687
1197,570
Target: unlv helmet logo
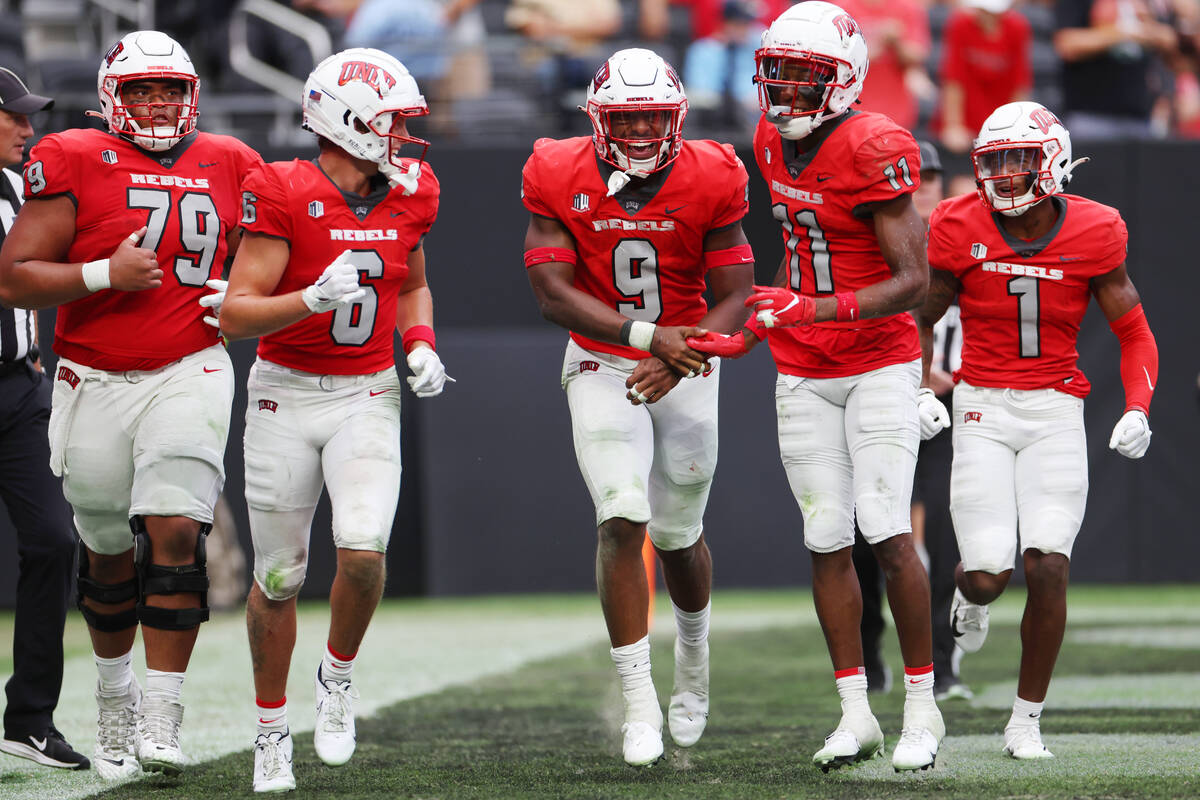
x,y
846,25
1044,119
601,77
368,73
113,52
673,79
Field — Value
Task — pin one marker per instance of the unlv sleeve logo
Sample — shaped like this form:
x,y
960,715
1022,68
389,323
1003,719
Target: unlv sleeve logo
x,y
1044,119
846,25
368,73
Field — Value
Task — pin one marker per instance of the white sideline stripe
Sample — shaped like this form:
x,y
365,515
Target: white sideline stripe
x,y
410,650
1176,637
1081,754
1152,690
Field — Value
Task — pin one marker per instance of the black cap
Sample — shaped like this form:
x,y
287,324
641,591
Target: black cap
x,y
16,97
931,161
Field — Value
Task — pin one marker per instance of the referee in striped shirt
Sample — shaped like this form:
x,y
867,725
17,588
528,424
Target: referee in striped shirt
x,y
30,492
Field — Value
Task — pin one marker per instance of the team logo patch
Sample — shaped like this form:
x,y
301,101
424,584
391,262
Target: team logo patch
x,y
580,202
767,155
589,366
972,416
372,75
166,162
845,25
268,405
979,250
316,209
108,156
66,374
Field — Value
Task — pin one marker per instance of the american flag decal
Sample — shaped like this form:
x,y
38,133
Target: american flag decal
x,y
580,202
314,95
316,209
108,156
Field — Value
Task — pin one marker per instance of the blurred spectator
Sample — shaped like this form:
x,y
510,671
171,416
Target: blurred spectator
x,y
706,15
566,38
897,34
985,64
1112,72
719,69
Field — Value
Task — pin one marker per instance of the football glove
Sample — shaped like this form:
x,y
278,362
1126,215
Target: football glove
x,y
934,416
777,307
337,286
214,301
720,344
429,374
1131,436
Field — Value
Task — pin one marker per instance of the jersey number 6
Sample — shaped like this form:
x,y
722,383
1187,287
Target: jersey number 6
x,y
352,325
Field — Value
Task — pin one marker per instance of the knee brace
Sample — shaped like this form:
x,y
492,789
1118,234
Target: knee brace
x,y
104,593
157,579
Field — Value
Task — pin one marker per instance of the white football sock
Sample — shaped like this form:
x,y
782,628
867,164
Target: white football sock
x,y
335,667
115,673
692,626
166,686
1025,713
633,665
272,718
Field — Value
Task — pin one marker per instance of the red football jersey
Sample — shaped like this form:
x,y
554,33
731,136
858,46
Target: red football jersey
x,y
645,262
865,158
1022,302
189,199
297,202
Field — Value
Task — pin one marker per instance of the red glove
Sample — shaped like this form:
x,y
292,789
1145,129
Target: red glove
x,y
720,344
776,307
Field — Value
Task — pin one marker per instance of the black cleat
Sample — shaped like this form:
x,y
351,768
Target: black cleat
x,y
46,747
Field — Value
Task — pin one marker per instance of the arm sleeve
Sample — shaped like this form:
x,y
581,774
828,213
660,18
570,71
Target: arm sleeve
x,y
262,192
1139,358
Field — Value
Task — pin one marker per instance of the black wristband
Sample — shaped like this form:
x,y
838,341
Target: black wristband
x,y
628,326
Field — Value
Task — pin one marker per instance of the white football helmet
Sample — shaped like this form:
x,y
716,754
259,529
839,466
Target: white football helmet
x,y
141,56
1021,142
354,97
810,67
637,105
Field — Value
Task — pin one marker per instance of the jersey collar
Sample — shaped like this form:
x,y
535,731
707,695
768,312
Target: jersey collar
x,y
797,160
638,192
1026,249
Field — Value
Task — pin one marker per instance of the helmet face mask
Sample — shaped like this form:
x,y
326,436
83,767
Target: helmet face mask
x,y
810,67
130,71
1021,157
637,105
360,100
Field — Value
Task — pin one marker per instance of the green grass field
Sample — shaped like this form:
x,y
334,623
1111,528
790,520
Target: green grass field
x,y
516,697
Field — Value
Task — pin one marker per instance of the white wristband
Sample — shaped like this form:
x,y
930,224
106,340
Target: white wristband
x,y
95,275
641,334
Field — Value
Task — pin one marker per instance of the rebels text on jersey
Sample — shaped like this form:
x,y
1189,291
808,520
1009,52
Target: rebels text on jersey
x,y
822,199
1022,302
187,197
295,201
646,262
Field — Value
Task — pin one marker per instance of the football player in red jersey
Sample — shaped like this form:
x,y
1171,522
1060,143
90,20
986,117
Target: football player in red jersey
x,y
848,356
626,229
332,261
122,229
1024,264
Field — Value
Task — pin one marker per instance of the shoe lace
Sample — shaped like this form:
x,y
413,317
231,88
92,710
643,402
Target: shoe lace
x,y
116,730
912,737
337,705
270,745
161,729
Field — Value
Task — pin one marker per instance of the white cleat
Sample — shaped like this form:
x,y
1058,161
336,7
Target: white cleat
x,y
688,713
158,737
857,737
1024,743
643,745
115,756
273,762
969,622
334,737
919,739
